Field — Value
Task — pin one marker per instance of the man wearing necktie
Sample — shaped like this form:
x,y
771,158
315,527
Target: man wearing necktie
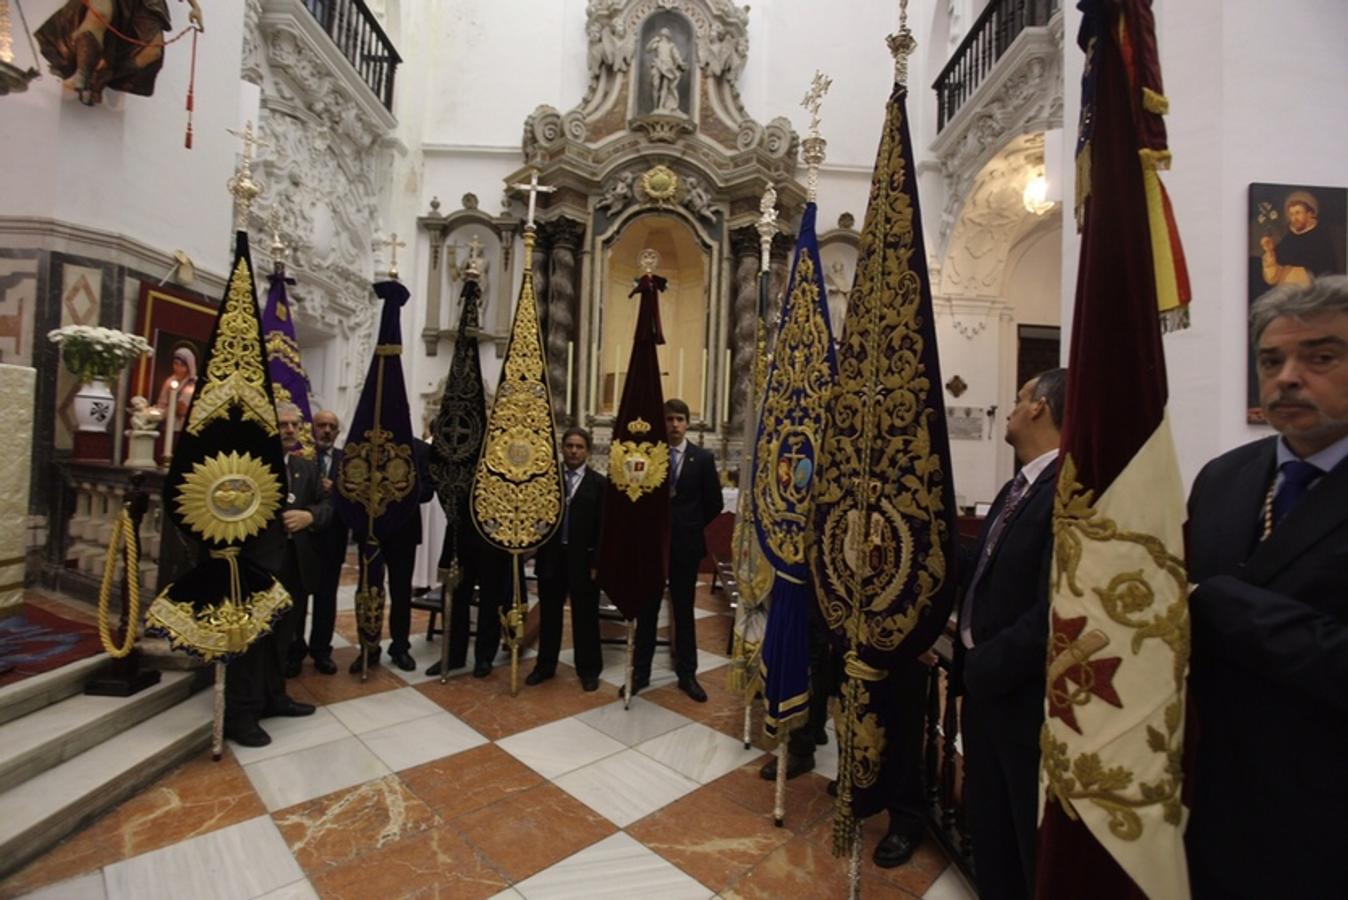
x,y
1267,546
1003,629
331,556
695,499
565,565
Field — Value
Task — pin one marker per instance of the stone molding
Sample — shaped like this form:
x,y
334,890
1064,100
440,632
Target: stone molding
x,y
1022,95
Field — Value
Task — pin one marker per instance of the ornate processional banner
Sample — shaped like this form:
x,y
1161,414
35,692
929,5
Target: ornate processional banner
x,y
883,500
456,433
225,487
1111,746
517,489
634,542
289,384
800,381
377,479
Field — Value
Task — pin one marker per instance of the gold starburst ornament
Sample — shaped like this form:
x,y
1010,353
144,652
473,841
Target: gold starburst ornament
x,y
229,497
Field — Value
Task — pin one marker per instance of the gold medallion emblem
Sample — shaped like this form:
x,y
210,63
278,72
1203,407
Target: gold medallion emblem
x,y
660,183
229,497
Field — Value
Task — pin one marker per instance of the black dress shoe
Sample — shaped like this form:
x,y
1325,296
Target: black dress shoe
x,y
434,670
287,707
482,670
795,766
247,734
590,684
325,665
538,677
404,661
354,668
292,668
688,684
832,788
894,850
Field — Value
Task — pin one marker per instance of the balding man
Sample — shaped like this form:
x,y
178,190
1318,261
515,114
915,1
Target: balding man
x,y
304,513
331,550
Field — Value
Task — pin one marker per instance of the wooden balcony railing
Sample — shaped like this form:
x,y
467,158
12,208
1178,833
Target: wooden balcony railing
x,y
977,55
354,30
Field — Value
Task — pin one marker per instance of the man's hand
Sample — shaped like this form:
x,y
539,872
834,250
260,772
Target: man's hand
x,y
194,16
327,485
297,519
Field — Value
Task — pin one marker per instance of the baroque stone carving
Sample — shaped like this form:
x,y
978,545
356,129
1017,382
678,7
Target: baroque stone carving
x,y
1023,94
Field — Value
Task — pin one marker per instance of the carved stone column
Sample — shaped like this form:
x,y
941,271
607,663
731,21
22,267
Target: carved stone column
x,y
744,251
566,236
435,278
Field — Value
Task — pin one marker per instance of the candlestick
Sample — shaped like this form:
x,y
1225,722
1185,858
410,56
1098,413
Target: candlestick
x,y
680,381
725,396
702,401
616,386
570,363
168,420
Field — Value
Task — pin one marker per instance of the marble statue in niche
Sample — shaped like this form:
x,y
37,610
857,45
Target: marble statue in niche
x,y
664,72
666,66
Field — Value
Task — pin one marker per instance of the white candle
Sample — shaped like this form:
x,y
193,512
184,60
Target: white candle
x,y
168,420
616,375
725,397
702,399
570,363
680,381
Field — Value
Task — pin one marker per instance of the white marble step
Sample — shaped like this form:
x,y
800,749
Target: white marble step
x,y
42,810
22,697
55,733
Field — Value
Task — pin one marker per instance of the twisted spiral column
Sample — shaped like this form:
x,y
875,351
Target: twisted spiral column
x,y
566,236
744,250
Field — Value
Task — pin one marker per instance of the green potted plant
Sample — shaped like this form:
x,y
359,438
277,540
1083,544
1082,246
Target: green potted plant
x,y
96,356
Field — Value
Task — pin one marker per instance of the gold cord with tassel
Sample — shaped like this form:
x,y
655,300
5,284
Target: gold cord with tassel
x,y
122,530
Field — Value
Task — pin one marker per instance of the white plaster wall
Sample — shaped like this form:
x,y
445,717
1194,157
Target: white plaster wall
x,y
1256,94
122,166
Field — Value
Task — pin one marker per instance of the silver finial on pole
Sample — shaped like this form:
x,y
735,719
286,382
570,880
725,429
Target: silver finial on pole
x,y
901,46
813,146
767,226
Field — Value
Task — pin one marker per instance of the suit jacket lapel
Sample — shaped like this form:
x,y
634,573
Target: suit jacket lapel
x,y
1323,508
1047,481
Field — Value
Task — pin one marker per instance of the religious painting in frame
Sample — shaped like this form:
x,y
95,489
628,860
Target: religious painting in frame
x,y
1296,231
170,318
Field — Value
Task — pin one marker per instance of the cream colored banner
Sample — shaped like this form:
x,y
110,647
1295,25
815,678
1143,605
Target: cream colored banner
x,y
1118,654
17,386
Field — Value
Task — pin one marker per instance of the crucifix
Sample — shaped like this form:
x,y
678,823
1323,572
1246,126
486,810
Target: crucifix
x,y
393,244
534,189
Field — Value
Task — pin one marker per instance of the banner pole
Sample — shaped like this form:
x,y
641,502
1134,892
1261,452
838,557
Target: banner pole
x,y
218,714
516,626
447,587
779,800
748,717
627,668
854,865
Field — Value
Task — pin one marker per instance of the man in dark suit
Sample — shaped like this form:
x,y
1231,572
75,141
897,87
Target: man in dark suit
x,y
305,514
486,570
566,565
331,556
1003,629
400,556
1268,681
695,499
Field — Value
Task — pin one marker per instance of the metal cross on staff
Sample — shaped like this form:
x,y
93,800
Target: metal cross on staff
x,y
242,185
814,98
534,189
393,244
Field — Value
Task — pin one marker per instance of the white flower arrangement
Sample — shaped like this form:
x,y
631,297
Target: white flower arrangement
x,y
93,353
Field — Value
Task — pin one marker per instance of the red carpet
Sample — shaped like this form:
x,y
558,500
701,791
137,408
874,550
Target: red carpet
x,y
34,641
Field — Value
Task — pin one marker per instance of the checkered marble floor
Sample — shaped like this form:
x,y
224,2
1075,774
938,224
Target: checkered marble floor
x,y
404,787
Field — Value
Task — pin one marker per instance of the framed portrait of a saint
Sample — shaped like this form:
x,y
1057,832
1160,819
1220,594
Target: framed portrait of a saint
x,y
1296,232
